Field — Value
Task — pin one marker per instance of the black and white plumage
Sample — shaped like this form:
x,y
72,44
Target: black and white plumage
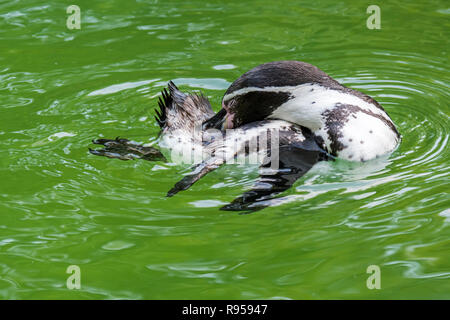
x,y
347,123
315,118
180,115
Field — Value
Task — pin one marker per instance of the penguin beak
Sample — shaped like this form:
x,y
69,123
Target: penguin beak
x,y
216,122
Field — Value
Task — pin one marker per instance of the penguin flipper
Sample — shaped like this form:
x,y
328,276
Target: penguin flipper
x,y
199,171
125,149
293,163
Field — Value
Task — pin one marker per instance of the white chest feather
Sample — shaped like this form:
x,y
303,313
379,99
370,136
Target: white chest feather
x,y
350,127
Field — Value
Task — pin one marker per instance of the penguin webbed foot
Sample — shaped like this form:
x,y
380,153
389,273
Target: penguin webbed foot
x,y
264,191
249,202
124,149
294,163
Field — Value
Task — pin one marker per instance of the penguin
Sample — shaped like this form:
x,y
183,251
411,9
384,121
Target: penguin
x,y
285,151
313,117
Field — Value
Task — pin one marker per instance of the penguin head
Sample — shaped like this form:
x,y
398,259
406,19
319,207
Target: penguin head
x,y
259,92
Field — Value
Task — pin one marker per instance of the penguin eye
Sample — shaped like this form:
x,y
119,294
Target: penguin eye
x,y
227,105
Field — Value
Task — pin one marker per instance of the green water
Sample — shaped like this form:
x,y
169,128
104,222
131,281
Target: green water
x,y
61,206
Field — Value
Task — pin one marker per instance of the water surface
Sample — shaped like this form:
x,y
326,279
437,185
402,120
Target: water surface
x,y
61,206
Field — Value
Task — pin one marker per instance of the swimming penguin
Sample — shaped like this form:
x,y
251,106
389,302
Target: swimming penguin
x,y
282,160
314,117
